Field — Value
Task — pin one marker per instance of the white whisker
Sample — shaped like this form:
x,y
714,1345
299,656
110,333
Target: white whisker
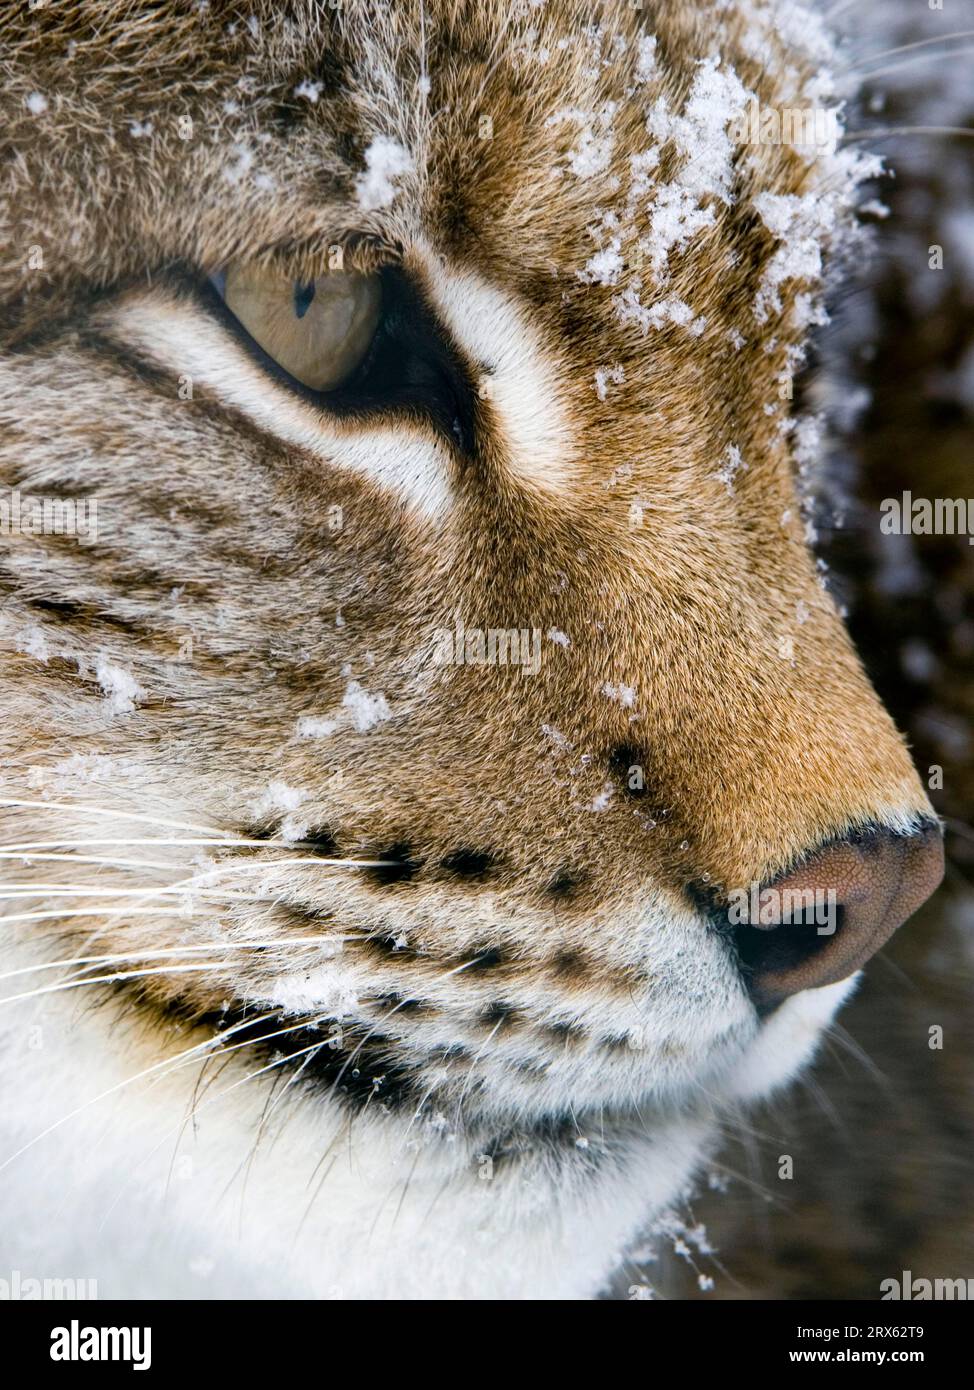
x,y
887,132
921,43
17,892
15,851
912,62
89,810
222,842
60,914
111,979
210,946
94,859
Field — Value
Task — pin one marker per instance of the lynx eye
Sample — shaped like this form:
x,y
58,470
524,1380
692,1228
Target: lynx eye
x,y
318,332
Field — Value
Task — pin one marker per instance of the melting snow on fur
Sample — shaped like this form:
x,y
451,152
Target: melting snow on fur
x,y
279,797
121,688
386,161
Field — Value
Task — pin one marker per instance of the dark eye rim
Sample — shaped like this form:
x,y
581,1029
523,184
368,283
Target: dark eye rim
x,y
411,367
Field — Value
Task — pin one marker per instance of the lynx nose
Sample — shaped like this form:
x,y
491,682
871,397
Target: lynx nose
x,y
822,922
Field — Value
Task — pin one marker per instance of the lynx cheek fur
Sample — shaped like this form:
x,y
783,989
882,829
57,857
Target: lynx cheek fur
x,y
347,970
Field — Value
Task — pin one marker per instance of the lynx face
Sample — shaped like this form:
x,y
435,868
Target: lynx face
x,y
448,646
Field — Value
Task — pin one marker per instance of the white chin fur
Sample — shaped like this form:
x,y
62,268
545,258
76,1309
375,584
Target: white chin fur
x,y
787,1041
115,1185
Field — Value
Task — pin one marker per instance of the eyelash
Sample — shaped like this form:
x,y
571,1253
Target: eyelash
x,y
410,368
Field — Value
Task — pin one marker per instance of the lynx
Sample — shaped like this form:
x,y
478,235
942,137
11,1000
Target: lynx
x,y
333,969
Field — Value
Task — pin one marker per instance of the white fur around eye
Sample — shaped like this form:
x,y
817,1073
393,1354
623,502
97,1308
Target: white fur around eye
x,y
522,380
411,464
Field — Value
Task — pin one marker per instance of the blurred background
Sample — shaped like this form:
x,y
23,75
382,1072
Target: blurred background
x,y
881,1131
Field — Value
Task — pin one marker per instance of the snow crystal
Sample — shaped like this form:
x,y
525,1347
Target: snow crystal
x,y
84,768
593,151
385,162
34,643
121,688
555,736
802,225
700,133
809,312
328,989
731,464
279,797
629,309
556,635
310,727
676,217
809,225
604,375
646,67
364,709
36,103
875,208
605,267
624,695
311,91
241,166
602,800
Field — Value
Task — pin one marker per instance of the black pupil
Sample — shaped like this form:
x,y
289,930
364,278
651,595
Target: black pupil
x,y
303,295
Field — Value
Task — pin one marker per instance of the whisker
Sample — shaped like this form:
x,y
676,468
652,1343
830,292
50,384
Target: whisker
x,y
89,810
216,837
909,47
62,913
163,953
887,132
96,859
15,851
223,842
74,890
111,979
380,1023
276,1062
468,1080
912,62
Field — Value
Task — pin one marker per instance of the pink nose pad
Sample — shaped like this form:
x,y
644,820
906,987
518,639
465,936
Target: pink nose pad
x,y
822,922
